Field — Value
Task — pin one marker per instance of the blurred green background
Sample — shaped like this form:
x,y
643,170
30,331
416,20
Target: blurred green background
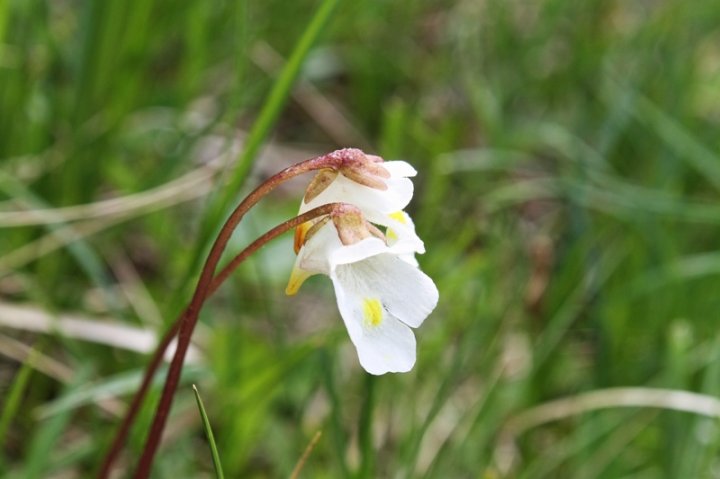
x,y
569,168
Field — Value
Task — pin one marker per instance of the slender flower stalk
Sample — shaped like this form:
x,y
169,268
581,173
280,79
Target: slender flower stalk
x,y
137,400
187,325
341,160
161,348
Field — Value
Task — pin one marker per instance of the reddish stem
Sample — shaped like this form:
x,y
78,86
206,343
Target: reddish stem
x,y
187,325
134,407
188,319
159,353
162,346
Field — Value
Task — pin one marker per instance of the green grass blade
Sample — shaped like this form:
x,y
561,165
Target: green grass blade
x,y
365,427
83,253
277,98
48,433
4,15
262,126
679,140
13,397
339,437
112,386
208,431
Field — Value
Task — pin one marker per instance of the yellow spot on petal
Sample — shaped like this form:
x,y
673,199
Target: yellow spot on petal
x,y
391,234
297,278
399,216
372,312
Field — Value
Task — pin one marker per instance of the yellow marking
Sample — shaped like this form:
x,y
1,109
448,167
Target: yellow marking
x,y
391,234
297,278
399,216
372,312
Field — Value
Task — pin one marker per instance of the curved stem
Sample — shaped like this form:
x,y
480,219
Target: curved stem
x,y
164,343
134,407
204,288
189,320
335,160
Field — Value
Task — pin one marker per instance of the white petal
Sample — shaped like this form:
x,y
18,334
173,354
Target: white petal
x,y
410,259
401,234
404,291
388,346
372,202
323,251
359,251
399,168
314,256
297,278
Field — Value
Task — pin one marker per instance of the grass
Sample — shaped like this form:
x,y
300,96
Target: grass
x,y
567,194
210,437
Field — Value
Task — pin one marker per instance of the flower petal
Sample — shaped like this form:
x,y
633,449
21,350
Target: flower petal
x,y
403,289
401,234
383,343
314,255
374,203
399,168
359,251
410,259
297,278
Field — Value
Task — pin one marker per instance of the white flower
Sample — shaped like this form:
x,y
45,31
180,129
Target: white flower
x,y
378,188
381,295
